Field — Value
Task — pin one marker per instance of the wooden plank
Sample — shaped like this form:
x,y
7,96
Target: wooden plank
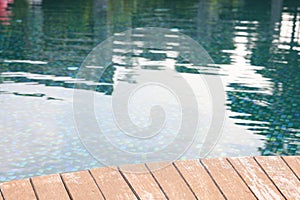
x,y
227,179
142,181
256,179
50,187
294,163
15,190
112,184
232,178
198,179
81,186
281,175
170,181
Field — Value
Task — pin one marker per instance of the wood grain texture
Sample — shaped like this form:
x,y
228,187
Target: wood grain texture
x,y
142,181
18,190
50,187
227,179
281,175
255,178
294,163
170,181
198,179
81,186
224,178
112,184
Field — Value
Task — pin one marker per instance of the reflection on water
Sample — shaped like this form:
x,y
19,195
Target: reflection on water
x,y
255,46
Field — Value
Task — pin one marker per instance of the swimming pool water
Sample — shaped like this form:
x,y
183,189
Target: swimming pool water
x,y
255,46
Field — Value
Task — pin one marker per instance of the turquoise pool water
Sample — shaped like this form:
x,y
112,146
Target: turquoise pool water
x,y
255,46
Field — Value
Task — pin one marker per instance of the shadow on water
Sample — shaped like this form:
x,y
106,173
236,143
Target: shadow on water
x,y
262,34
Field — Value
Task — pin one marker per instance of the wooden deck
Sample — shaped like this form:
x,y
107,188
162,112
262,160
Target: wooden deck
x,y
225,178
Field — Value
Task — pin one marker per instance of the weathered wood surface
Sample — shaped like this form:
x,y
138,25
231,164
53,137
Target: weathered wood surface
x,y
170,181
81,186
217,178
255,178
230,183
294,163
281,175
142,181
198,179
49,187
20,189
112,184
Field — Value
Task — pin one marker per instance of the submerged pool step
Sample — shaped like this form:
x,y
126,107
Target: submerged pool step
x,y
248,178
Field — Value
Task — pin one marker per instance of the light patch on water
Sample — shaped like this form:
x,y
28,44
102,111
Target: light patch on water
x,y
33,62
